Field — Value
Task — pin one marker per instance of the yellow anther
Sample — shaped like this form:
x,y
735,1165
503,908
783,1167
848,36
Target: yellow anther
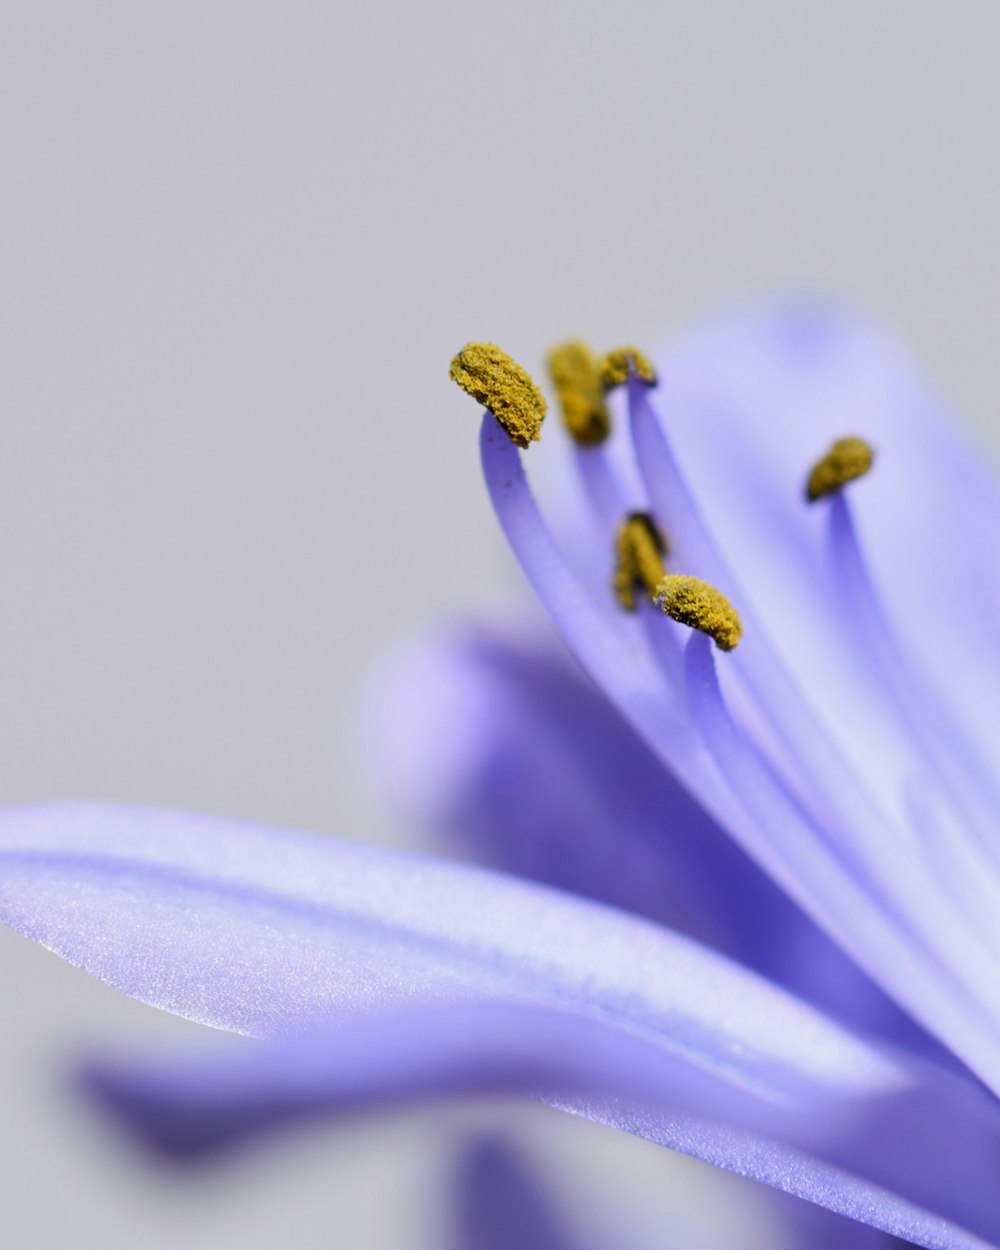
x,y
574,372
494,380
623,363
640,559
699,605
847,459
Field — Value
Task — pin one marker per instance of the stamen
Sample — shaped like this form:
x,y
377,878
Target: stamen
x,y
967,780
847,459
791,847
608,495
641,549
699,605
594,632
575,375
623,363
847,805
954,858
494,380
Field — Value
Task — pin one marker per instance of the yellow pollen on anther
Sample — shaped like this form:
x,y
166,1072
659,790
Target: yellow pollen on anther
x,y
575,375
494,380
641,549
623,363
695,603
847,459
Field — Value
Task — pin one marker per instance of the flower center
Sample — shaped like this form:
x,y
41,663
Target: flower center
x,y
501,385
906,883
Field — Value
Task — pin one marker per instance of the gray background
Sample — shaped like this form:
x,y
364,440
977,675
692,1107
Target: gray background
x,y
240,243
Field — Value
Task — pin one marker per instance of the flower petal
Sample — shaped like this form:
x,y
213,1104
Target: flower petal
x,y
610,1016
907,1150
504,750
267,932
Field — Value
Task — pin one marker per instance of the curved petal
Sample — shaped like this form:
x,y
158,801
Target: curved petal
x,y
267,932
911,1153
506,752
628,1023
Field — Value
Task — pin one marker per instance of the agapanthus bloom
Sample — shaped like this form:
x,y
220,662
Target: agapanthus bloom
x,y
841,1041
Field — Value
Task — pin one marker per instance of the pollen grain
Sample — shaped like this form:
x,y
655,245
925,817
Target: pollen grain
x,y
577,380
847,459
641,549
494,380
622,363
695,603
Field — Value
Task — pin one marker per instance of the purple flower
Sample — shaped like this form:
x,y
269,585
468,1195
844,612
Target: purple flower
x,y
816,809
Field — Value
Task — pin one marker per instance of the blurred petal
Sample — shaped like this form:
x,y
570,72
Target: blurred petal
x,y
500,1206
504,749
905,1148
509,752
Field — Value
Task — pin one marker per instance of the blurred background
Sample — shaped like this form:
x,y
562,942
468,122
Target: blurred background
x,y
240,243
